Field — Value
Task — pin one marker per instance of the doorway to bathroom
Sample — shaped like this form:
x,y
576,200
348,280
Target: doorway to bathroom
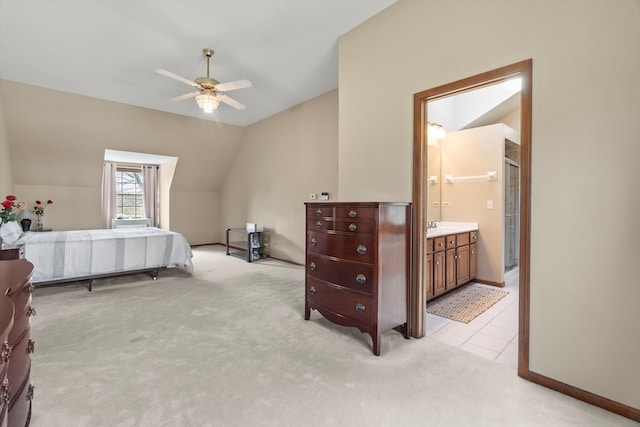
x,y
515,193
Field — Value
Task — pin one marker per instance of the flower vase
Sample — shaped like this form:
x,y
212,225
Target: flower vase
x,y
39,224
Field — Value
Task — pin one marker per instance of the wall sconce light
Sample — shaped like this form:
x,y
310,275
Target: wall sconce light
x,y
435,131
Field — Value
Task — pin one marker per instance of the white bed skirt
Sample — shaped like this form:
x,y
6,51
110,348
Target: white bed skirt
x,y
59,255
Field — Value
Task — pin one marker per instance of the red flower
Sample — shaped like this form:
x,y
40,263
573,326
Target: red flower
x,y
49,202
7,204
38,202
11,198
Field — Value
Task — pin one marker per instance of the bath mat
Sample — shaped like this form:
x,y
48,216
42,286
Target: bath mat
x,y
466,304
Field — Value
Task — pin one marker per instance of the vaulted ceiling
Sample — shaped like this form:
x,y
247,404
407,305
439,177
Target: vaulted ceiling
x,y
110,49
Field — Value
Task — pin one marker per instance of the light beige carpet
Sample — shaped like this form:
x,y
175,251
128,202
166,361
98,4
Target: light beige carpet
x,y
229,347
464,305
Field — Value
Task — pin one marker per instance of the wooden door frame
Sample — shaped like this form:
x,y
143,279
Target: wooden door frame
x,y
521,69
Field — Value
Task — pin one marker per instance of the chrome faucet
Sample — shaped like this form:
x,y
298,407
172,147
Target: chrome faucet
x,y
432,224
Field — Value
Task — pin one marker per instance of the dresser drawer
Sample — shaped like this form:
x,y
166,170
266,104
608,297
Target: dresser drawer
x,y
319,224
340,300
356,247
21,321
21,298
450,241
462,239
20,403
429,246
439,244
473,236
355,213
319,212
363,227
4,399
19,363
353,275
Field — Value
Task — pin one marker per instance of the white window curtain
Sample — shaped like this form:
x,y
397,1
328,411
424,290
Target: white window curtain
x,y
109,206
150,193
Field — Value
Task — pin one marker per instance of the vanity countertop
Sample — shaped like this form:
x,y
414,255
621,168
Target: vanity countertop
x,y
445,228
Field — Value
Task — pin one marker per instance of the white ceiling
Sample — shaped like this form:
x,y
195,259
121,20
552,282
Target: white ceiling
x,y
110,49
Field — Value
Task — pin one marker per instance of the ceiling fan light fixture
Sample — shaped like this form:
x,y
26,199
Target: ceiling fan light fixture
x,y
207,102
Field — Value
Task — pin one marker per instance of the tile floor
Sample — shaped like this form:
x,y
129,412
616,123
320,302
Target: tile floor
x,y
493,334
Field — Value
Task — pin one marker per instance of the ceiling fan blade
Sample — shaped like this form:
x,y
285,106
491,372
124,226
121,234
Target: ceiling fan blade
x,y
177,77
230,101
185,96
238,84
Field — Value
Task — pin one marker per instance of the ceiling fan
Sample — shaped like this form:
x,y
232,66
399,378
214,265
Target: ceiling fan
x,y
209,93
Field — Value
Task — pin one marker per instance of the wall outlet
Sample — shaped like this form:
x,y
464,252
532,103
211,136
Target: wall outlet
x,y
324,196
445,204
489,204
313,196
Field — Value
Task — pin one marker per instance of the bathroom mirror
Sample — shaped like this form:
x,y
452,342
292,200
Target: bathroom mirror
x,y
492,104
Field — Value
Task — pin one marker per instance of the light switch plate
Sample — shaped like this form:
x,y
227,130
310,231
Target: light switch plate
x,y
324,196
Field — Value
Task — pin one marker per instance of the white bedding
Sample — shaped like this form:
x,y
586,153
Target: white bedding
x,y
58,255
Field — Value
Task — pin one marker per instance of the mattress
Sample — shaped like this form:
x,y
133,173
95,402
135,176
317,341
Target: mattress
x,y
59,255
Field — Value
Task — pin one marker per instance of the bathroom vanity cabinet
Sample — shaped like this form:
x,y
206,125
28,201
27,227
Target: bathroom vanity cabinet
x,y
452,261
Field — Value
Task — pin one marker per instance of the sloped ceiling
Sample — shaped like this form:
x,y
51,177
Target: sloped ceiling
x,y
110,49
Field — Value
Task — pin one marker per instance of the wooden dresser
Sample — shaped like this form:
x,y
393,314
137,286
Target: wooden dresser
x,y
357,265
6,323
15,284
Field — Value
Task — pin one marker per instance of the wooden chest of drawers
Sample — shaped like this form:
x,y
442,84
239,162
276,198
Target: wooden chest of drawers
x,y
15,285
357,265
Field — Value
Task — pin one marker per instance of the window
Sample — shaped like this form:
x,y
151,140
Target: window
x,y
129,192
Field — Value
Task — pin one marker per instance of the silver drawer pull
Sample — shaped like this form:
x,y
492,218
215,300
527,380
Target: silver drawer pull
x,y
352,227
312,266
361,249
318,224
360,308
361,278
314,241
312,290
5,391
352,213
319,212
5,353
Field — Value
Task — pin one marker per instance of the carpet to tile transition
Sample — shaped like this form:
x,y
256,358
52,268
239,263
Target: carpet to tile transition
x,y
466,304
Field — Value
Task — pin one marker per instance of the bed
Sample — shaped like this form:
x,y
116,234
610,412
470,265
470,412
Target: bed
x,y
64,256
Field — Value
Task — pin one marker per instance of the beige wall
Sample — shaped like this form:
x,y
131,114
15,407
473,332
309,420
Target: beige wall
x,y
475,152
57,150
585,196
6,178
281,161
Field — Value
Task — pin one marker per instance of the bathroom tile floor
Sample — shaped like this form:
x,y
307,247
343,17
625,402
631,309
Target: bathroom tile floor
x,y
493,334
